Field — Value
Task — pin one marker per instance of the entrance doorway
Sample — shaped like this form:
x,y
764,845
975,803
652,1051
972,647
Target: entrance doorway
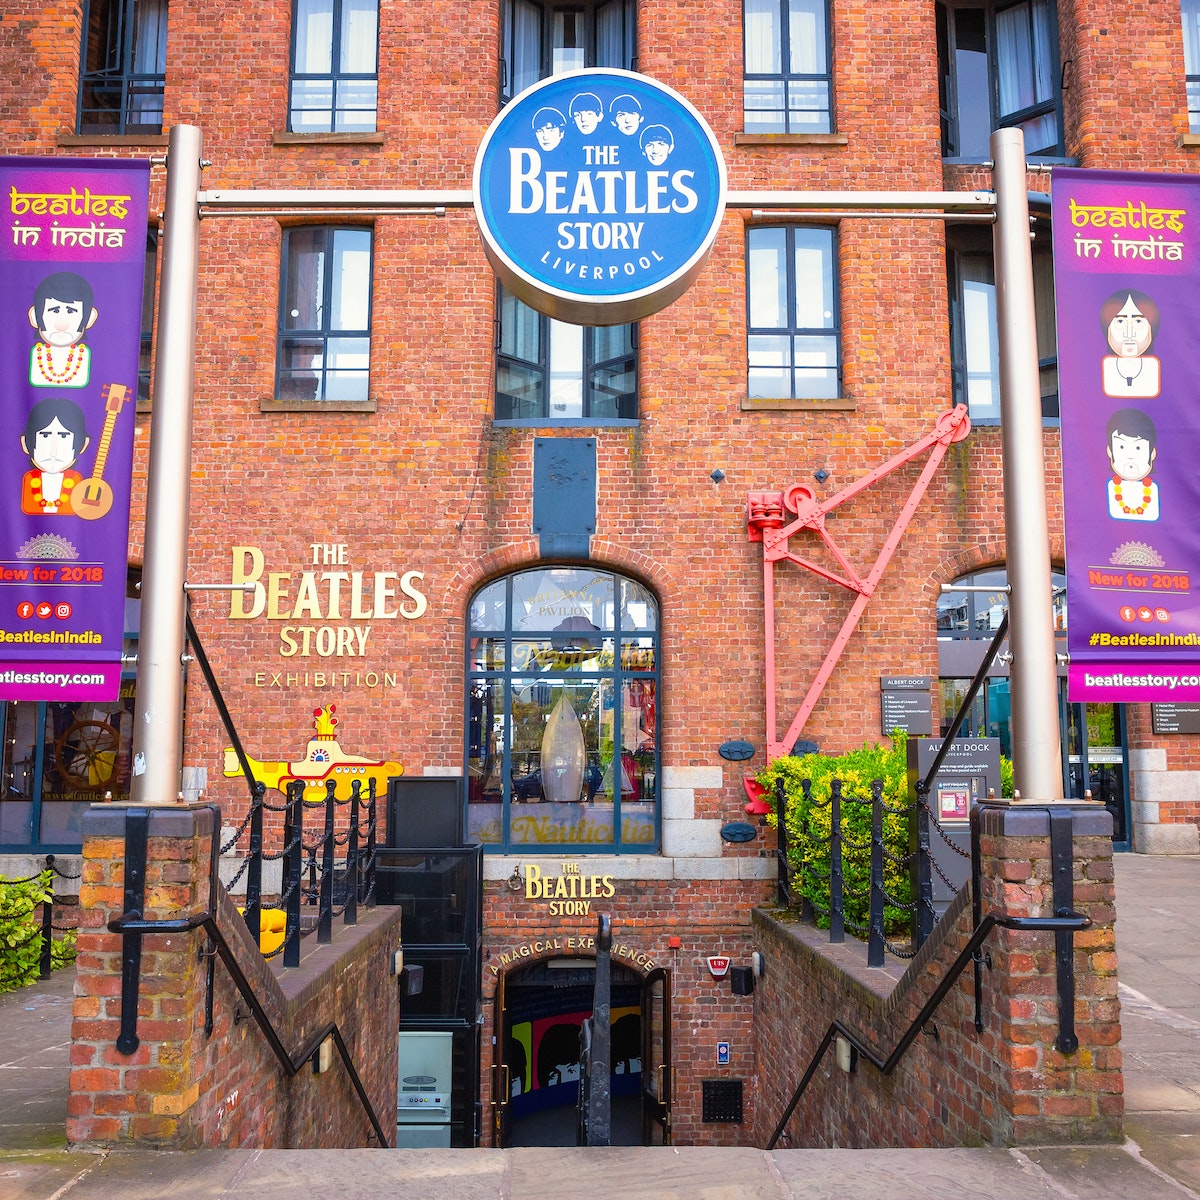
x,y
539,1013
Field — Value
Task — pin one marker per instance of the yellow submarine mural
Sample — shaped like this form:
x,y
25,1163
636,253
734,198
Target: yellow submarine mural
x,y
323,760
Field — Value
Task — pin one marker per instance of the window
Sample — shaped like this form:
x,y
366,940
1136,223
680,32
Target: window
x,y
335,51
974,338
793,340
562,713
788,69
325,315
998,68
551,371
547,370
59,758
1190,12
124,66
538,40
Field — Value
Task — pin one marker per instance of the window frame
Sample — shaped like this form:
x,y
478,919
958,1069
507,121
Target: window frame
x,y
788,78
833,330
621,677
1191,60
974,241
119,48
325,333
545,10
946,11
336,77
592,370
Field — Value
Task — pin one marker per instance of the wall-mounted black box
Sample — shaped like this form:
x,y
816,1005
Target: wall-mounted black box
x,y
741,981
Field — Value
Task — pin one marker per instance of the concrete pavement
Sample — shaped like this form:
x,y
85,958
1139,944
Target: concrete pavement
x,y
1158,942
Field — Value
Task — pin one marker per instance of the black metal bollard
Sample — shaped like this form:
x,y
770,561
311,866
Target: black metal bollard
x,y
293,864
807,912
45,964
253,912
368,891
351,914
837,917
782,893
875,942
325,913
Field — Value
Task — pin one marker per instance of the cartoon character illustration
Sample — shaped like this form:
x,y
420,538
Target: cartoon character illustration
x,y
62,312
657,143
587,111
1130,321
323,760
626,114
54,438
1132,494
549,127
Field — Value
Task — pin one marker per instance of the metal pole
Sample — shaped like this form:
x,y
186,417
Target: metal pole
x,y
158,712
599,1121
1037,762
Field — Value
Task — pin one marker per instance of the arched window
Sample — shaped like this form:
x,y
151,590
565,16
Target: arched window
x,y
562,713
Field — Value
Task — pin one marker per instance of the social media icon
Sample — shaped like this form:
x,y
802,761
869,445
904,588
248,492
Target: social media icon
x,y
62,610
25,610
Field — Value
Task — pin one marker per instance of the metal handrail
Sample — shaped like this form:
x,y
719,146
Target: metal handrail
x,y
132,926
1069,922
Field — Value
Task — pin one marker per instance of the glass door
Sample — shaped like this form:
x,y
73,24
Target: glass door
x,y
501,1081
658,1075
1095,759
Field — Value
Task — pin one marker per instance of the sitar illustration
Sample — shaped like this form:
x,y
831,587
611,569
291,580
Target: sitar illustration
x,y
92,498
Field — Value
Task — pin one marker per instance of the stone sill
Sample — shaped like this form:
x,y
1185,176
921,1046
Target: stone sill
x,y
499,868
790,139
327,139
766,404
1189,139
325,406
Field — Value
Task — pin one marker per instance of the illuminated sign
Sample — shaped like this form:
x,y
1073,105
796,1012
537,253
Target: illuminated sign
x,y
599,195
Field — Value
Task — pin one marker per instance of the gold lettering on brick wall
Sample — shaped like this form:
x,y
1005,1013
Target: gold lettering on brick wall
x,y
582,946
329,608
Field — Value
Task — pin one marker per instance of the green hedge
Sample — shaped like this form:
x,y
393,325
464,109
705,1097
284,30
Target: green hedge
x,y
21,932
857,770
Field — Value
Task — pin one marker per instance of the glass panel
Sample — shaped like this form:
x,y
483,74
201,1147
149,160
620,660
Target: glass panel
x,y
1190,14
816,367
770,366
566,370
314,37
519,329
485,760
637,654
525,63
19,762
487,654
808,106
312,100
953,693
614,34
971,75
612,392
351,301
562,599
305,284
814,279
347,372
356,106
806,43
980,338
1041,134
518,393
763,100
764,45
299,369
572,651
639,609
1015,73
489,607
767,269
360,36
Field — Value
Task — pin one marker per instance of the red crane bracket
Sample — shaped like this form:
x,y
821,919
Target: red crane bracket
x,y
766,520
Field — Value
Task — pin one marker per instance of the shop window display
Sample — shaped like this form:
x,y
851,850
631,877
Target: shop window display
x,y
562,712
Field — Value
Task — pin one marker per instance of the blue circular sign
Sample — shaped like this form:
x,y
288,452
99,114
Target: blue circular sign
x,y
599,195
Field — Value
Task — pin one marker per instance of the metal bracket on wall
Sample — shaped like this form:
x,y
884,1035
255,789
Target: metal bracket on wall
x,y
765,519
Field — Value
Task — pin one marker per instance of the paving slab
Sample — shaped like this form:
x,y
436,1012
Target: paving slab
x,y
1113,1172
1171,1142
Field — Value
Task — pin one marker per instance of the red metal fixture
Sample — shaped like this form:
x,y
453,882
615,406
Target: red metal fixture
x,y
766,523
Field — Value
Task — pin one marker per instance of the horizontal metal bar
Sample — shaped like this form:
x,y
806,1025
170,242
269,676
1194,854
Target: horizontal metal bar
x,y
959,218
209,212
219,587
344,199
975,587
888,201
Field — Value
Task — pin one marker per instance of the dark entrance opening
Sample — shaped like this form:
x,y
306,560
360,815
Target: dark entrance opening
x,y
539,1014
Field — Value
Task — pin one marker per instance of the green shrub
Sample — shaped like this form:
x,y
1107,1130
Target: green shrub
x,y
21,932
808,824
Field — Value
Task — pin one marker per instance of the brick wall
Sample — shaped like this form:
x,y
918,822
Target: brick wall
x,y
1005,1086
183,1088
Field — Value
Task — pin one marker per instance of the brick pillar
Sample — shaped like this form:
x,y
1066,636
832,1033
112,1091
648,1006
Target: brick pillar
x,y
1051,1096
139,1096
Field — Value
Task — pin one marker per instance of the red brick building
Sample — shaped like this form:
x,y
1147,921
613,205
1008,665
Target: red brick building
x,y
375,421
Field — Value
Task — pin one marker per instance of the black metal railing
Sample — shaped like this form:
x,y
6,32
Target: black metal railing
x,y
1064,924
323,877
818,866
45,926
298,856
133,926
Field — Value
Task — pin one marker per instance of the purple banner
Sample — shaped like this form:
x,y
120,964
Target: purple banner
x,y
73,249
1127,287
